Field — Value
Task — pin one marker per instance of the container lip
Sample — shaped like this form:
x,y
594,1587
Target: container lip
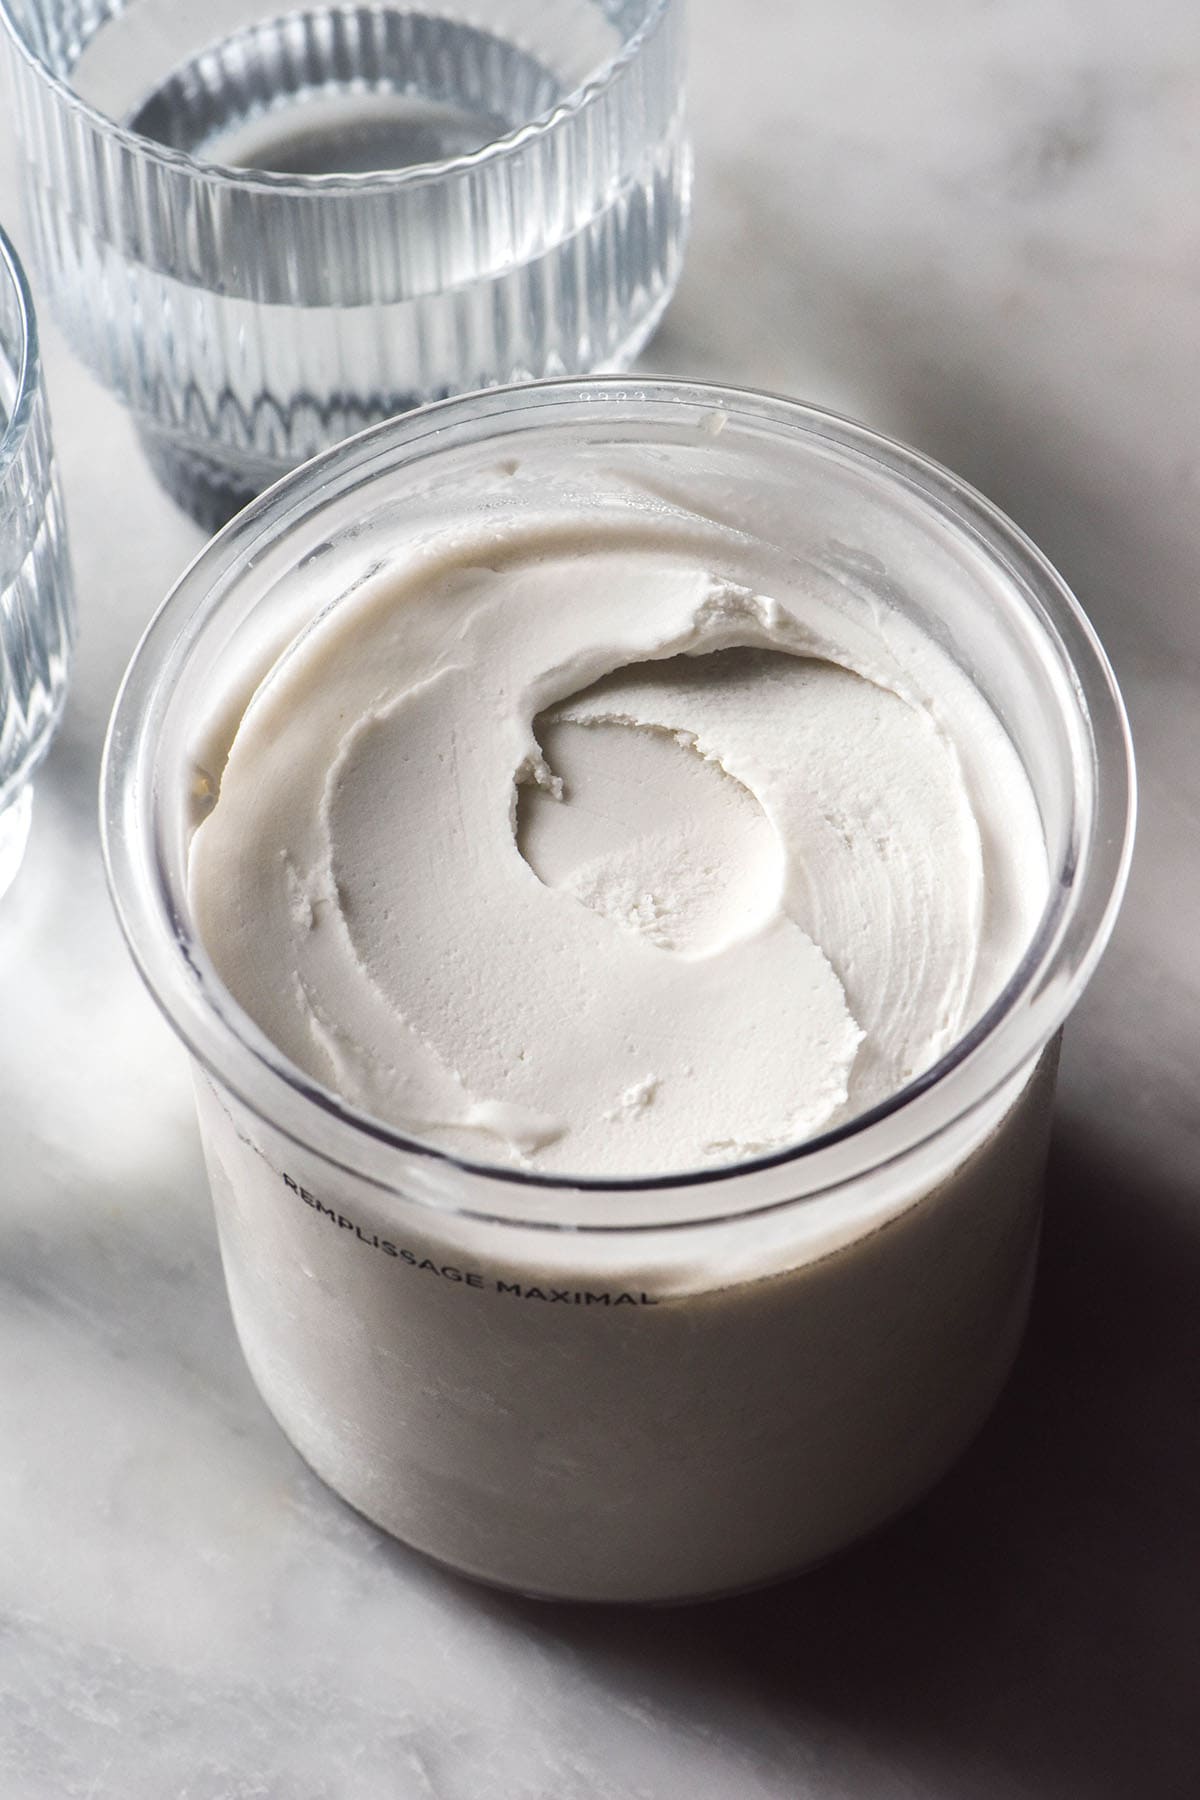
x,y
28,368
1076,924
369,181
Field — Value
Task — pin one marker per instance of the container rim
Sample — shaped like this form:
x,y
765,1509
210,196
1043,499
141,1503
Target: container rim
x,y
1081,907
371,181
26,362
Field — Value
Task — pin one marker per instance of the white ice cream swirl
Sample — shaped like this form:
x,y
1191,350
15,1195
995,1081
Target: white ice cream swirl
x,y
561,845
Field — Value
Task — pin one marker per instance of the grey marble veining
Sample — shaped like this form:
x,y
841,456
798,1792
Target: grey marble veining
x,y
974,226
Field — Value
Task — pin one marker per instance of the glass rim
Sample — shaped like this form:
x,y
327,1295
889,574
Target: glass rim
x,y
28,360
1074,927
370,181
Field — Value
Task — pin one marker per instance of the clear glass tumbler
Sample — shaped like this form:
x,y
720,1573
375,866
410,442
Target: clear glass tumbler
x,y
630,1389
37,606
266,227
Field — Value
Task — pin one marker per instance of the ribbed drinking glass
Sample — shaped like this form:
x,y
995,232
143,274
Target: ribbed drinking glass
x,y
36,600
266,227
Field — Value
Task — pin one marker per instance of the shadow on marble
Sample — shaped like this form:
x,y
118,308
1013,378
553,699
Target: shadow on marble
x,y
1031,1629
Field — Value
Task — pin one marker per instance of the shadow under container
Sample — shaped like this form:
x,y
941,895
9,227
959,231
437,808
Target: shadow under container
x,y
265,227
632,1390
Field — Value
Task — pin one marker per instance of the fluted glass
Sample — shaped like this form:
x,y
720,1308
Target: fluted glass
x,y
36,601
266,228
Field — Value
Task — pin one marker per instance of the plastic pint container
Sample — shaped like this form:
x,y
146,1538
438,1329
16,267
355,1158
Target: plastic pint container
x,y
631,1390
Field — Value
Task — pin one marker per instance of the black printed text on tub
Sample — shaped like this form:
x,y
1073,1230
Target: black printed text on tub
x,y
466,1277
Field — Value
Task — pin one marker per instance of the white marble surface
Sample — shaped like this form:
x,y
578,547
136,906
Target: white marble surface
x,y
973,224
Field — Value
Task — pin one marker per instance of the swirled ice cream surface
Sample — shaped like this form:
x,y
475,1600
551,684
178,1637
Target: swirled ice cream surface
x,y
598,848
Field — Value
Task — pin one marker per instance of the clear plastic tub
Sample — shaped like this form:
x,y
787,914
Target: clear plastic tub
x,y
632,1390
265,227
